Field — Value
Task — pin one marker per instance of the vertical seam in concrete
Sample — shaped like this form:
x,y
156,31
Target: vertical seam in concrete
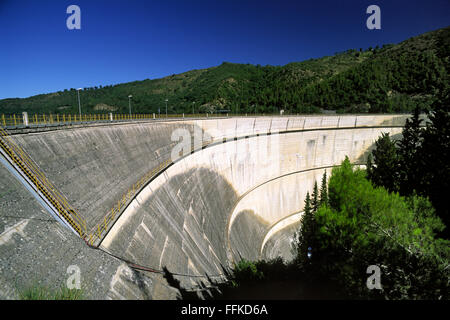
x,y
163,250
334,147
315,149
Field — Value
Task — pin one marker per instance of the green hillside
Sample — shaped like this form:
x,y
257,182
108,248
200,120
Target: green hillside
x,y
390,78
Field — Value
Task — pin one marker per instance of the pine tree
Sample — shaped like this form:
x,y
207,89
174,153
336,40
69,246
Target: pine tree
x,y
324,190
308,209
307,229
384,170
369,166
435,167
409,155
315,198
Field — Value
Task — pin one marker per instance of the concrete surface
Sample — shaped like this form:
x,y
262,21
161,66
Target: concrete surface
x,y
206,211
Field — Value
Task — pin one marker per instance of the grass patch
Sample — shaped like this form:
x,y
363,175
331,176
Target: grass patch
x,y
44,293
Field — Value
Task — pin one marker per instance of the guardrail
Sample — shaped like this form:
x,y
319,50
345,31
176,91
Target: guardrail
x,y
103,226
40,183
37,178
24,120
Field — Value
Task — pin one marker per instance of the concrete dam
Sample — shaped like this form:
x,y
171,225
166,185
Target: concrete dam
x,y
229,188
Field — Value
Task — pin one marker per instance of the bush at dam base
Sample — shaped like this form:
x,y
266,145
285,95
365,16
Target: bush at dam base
x,y
266,280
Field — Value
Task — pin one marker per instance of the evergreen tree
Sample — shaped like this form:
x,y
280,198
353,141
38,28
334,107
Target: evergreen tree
x,y
409,155
435,167
369,166
420,163
307,230
384,170
315,198
308,209
363,223
324,190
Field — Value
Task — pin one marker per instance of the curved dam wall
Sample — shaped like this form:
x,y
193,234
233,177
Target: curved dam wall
x,y
239,198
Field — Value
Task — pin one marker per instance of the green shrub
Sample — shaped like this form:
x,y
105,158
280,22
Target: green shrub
x,y
246,271
44,293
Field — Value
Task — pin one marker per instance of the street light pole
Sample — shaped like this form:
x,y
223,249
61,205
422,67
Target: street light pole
x,y
79,103
129,103
193,108
166,107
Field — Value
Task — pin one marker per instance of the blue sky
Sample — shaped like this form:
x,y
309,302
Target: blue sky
x,y
123,41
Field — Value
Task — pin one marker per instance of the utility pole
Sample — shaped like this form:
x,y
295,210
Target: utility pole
x,y
79,103
166,107
129,103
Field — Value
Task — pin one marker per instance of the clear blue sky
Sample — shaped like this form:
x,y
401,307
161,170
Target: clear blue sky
x,y
123,41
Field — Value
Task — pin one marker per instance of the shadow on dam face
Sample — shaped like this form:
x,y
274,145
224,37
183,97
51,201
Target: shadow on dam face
x,y
246,235
183,225
281,244
363,157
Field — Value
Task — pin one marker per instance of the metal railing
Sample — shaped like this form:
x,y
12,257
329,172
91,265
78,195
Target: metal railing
x,y
19,120
41,184
105,224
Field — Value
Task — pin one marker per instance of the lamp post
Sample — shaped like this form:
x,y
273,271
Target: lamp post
x,y
79,103
193,108
129,103
166,106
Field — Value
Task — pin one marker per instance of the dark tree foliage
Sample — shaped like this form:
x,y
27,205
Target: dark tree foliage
x,y
324,190
419,164
435,164
305,234
364,226
384,169
409,156
315,197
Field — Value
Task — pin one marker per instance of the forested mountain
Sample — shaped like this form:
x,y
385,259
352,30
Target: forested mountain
x,y
390,78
